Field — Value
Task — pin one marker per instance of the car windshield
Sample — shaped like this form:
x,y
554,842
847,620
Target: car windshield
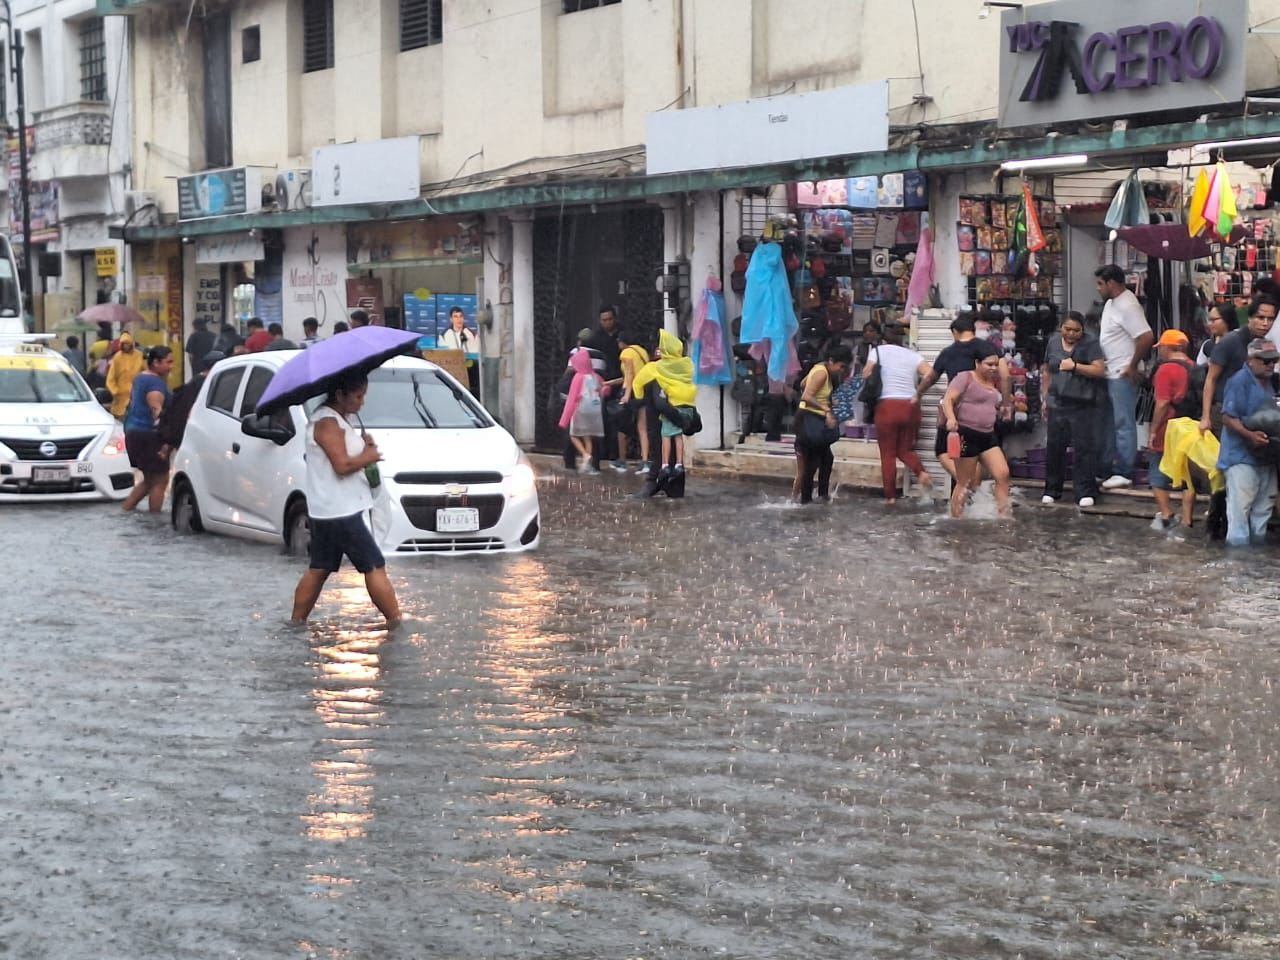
x,y
402,397
39,381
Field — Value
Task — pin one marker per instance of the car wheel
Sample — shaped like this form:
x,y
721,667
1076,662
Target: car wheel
x,y
186,511
297,530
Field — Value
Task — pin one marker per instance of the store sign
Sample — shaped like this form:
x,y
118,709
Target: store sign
x,y
826,123
1081,60
229,248
219,193
378,171
104,261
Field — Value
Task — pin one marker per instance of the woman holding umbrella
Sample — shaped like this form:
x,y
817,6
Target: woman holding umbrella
x,y
339,492
341,460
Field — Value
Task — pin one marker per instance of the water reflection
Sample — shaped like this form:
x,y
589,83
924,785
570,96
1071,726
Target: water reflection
x,y
348,699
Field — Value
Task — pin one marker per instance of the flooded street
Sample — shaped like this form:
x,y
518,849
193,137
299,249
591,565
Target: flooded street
x,y
716,727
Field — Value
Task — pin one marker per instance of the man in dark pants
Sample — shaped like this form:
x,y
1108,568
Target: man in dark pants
x,y
604,340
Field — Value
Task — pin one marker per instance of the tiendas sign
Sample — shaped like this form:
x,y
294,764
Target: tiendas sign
x,y
1076,61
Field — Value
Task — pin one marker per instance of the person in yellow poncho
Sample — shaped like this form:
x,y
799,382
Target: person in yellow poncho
x,y
672,372
125,365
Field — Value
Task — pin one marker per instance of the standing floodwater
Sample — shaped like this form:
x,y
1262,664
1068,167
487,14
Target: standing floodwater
x,y
668,733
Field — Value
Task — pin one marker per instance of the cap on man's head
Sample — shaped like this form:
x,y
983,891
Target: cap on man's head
x,y
1174,338
584,334
1263,350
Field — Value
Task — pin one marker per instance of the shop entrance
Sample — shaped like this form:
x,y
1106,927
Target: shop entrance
x,y
580,261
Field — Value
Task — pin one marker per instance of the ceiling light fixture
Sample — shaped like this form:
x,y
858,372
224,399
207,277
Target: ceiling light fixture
x,y
1224,144
1040,163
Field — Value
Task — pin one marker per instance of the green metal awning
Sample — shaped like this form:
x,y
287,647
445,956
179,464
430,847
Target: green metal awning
x,y
1144,144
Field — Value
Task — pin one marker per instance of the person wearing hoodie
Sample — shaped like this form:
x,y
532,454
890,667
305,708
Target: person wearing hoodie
x,y
672,373
583,413
125,366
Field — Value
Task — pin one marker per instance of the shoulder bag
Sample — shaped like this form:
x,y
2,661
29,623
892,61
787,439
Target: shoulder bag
x,y
872,386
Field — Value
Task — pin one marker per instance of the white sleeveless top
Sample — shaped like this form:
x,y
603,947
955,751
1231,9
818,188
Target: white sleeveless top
x,y
328,495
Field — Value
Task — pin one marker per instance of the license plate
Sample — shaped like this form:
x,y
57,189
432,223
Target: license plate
x,y
457,520
50,474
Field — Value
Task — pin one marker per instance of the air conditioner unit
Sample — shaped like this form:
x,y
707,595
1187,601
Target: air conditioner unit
x,y
141,207
293,190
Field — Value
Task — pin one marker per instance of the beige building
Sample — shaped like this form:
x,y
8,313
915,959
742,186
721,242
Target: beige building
x,y
398,153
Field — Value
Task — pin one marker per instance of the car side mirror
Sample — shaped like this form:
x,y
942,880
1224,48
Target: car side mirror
x,y
265,428
103,396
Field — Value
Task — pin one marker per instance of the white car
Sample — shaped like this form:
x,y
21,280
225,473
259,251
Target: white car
x,y
57,442
455,481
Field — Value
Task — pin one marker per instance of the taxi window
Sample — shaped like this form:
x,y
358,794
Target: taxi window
x,y
259,377
40,379
222,392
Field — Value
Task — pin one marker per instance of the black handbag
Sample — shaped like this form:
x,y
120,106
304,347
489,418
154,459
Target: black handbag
x,y
814,431
872,385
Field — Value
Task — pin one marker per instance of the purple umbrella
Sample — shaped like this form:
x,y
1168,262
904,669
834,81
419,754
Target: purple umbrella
x,y
315,370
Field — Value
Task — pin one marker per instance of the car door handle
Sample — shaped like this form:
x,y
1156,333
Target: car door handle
x,y
235,448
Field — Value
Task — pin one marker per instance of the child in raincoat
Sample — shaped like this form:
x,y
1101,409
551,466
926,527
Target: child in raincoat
x,y
672,371
584,409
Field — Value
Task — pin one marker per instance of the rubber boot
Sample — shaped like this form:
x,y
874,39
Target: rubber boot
x,y
675,484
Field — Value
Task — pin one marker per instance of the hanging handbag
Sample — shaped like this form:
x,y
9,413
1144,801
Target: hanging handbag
x,y
810,298
872,385
844,398
814,431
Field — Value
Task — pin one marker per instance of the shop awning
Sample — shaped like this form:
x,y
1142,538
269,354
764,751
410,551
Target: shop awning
x,y
1143,146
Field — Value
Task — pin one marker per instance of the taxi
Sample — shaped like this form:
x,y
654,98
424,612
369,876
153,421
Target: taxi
x,y
57,442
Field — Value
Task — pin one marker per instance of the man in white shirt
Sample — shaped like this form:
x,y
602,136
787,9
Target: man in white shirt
x,y
459,336
1126,339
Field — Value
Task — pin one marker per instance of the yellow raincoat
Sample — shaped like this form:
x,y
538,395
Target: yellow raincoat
x,y
673,372
125,366
1185,445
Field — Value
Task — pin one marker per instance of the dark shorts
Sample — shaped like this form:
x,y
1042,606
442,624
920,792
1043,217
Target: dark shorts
x,y
974,443
332,538
143,447
1158,478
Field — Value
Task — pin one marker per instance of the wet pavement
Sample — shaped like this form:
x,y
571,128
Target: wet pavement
x,y
718,727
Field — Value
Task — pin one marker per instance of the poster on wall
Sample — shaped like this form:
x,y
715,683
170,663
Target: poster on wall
x,y
315,274
365,293
208,296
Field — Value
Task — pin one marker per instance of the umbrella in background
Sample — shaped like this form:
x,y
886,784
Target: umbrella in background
x,y
314,371
111,313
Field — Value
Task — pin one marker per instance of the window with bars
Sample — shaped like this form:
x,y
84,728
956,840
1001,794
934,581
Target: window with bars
x,y
93,60
419,23
317,35
574,6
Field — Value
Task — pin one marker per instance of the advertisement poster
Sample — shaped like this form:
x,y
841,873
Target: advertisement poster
x,y
365,293
315,278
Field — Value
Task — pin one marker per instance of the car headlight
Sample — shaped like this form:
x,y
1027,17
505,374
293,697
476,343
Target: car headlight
x,y
114,446
523,480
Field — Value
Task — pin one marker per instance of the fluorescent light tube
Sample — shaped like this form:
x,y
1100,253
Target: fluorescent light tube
x,y
1070,160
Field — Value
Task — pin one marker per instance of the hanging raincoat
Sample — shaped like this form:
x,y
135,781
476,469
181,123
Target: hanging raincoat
x,y
125,367
767,311
672,371
710,349
584,409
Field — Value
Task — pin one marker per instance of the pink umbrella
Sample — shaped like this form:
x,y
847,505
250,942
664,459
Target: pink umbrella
x,y
112,313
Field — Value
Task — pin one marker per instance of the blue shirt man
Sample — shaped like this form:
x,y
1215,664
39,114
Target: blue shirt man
x,y
1251,476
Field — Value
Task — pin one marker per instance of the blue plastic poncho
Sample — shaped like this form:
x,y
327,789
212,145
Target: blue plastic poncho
x,y
711,350
767,313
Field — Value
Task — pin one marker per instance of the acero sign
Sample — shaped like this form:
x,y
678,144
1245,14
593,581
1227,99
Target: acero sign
x,y
1077,62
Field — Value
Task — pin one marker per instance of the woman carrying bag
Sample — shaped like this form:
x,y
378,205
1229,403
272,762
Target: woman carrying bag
x,y
816,425
889,383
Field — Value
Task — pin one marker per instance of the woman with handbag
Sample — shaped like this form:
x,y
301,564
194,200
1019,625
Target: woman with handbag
x,y
971,405
816,425
889,386
1072,384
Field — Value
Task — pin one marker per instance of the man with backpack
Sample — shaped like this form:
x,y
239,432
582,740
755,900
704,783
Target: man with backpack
x,y
1177,384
